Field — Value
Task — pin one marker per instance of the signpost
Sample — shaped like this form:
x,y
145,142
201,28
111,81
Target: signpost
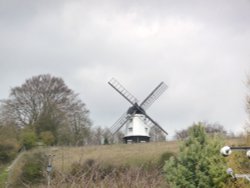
x,y
49,169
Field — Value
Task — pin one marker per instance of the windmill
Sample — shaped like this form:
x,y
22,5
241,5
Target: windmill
x,y
136,120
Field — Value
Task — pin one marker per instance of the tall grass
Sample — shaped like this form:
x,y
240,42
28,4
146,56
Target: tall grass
x,y
122,154
123,165
3,176
112,165
98,176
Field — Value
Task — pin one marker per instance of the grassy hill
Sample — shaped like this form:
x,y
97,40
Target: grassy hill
x,y
117,154
118,165
121,154
100,166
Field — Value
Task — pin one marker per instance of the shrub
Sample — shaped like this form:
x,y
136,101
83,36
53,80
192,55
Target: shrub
x,y
78,168
164,157
28,139
34,168
94,173
198,163
8,151
47,137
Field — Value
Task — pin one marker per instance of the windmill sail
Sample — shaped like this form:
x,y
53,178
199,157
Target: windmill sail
x,y
120,89
155,94
119,123
155,123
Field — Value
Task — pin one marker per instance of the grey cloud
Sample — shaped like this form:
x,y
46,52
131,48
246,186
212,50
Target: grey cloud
x,y
199,48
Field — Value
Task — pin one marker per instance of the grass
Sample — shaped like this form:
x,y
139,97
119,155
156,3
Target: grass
x,y
120,154
235,141
114,165
118,165
3,175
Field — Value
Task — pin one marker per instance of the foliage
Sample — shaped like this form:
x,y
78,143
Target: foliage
x,y
198,163
106,141
115,154
8,144
211,129
114,165
47,137
99,135
3,177
28,139
34,168
64,137
8,151
156,135
247,106
98,174
165,157
90,166
248,96
45,103
238,160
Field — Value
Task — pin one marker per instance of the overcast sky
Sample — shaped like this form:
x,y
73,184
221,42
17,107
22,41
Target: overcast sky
x,y
200,49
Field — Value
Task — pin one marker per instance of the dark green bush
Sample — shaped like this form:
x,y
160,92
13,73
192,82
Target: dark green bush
x,y
8,152
34,168
164,157
47,137
28,139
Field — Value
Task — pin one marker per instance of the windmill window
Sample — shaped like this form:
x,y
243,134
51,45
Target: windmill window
x,y
146,129
130,129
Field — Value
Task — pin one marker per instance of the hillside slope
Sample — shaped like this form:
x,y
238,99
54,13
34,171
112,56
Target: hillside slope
x,y
101,166
106,165
122,154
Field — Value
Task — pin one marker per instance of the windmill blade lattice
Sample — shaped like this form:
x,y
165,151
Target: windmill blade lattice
x,y
155,94
155,123
120,89
151,123
119,123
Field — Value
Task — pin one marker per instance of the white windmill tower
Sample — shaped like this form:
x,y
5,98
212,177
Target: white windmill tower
x,y
136,120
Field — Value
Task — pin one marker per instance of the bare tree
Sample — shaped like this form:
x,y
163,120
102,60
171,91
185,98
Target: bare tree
x,y
247,127
248,101
45,103
181,134
210,129
96,136
156,135
100,135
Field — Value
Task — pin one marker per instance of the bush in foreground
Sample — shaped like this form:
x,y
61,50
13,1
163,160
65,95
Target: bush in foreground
x,y
33,170
199,163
